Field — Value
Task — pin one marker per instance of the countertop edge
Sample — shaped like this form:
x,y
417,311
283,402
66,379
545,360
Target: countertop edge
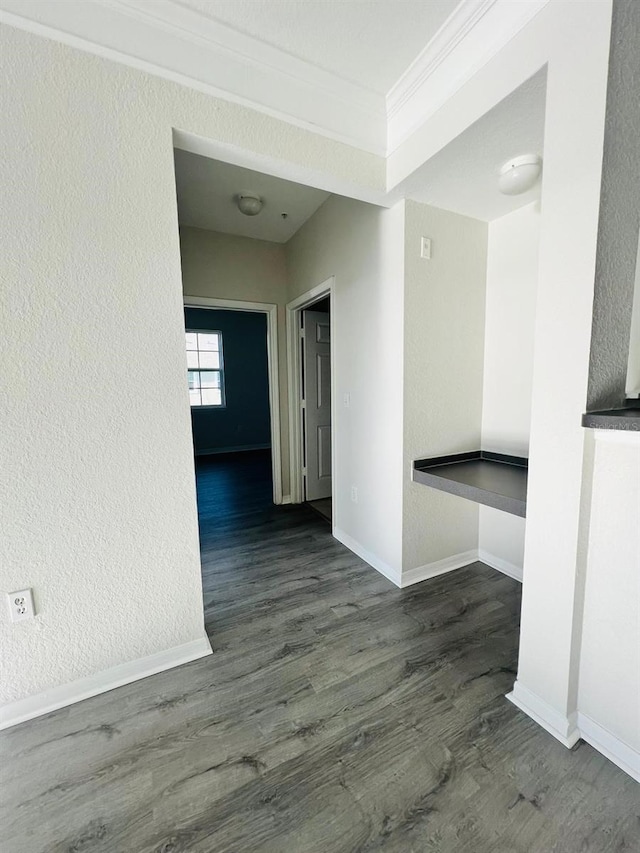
x,y
427,473
627,420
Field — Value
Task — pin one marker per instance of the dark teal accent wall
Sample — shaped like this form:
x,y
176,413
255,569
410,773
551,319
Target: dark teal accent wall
x,y
245,421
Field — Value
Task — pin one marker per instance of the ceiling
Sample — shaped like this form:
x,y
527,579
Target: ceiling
x,y
368,42
207,190
462,177
367,73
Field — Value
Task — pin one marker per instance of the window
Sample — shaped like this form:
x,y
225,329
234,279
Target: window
x,y
205,368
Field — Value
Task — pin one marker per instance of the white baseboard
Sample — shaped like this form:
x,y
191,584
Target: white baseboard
x,y
101,682
569,730
563,728
620,753
439,567
286,499
374,561
403,579
509,569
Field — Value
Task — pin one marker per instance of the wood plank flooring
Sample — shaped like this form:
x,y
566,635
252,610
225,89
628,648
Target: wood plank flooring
x,y
322,506
337,714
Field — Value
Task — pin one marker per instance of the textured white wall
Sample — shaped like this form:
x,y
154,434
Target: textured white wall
x,y
619,223
97,489
230,267
512,282
362,246
609,693
444,307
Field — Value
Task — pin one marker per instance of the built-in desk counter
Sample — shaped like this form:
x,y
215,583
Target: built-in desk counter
x,y
627,419
493,479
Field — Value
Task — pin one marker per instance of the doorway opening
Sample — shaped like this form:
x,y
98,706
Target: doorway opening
x,y
242,423
311,375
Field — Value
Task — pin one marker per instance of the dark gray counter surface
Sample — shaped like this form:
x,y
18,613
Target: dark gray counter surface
x,y
625,419
492,479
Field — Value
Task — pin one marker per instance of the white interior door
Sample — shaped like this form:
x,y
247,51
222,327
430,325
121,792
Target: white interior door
x,y
317,404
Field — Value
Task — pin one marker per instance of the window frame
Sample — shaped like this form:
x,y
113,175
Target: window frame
x,y
223,397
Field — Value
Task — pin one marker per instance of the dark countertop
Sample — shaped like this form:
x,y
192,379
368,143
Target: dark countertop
x,y
493,479
624,419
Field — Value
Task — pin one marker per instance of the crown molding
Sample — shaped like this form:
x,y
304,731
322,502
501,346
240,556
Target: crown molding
x,y
177,43
189,48
197,28
455,28
472,35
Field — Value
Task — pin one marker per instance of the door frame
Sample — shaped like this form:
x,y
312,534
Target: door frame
x,y
294,383
271,311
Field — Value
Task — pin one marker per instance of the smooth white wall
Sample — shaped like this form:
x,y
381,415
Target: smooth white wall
x,y
512,283
574,122
573,148
97,490
362,246
501,541
229,267
444,308
609,692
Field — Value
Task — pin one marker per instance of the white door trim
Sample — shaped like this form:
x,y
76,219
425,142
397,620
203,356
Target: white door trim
x,y
316,346
294,367
271,310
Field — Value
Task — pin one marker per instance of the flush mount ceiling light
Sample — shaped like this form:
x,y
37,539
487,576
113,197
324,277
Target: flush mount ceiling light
x,y
519,174
249,204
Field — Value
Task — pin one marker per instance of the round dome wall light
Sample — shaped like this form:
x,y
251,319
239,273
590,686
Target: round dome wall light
x,y
519,174
249,204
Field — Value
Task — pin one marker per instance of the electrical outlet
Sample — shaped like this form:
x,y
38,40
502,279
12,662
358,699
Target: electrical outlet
x,y
21,605
354,494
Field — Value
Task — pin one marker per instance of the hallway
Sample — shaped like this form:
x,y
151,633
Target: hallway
x,y
337,714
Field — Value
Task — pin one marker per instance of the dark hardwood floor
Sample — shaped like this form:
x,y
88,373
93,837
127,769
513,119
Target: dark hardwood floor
x,y
337,714
323,507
